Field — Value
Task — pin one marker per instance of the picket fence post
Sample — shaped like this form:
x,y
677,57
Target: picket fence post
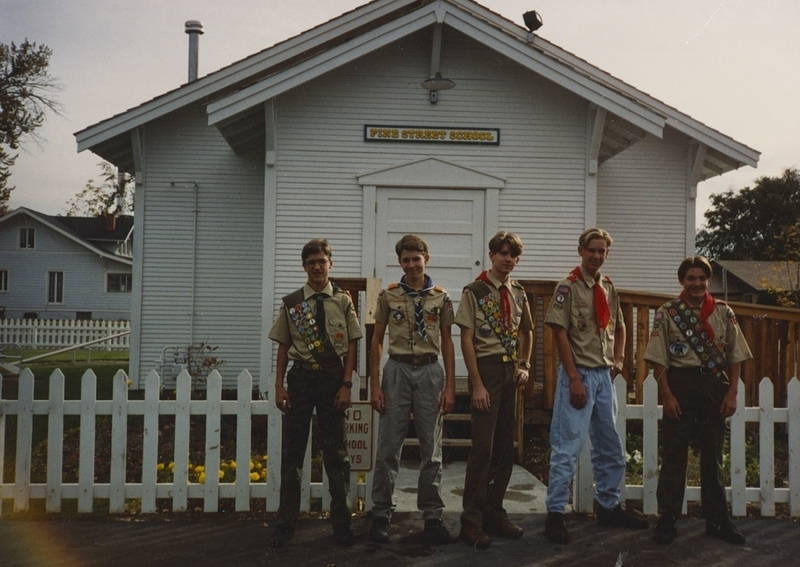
x,y
55,442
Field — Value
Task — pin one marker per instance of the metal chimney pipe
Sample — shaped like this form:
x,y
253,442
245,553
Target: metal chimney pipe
x,y
195,29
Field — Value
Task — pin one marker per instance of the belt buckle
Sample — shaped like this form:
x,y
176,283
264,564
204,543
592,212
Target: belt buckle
x,y
315,366
506,358
416,361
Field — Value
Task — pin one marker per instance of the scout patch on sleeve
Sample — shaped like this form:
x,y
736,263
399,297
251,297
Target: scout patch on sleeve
x,y
731,316
563,289
381,292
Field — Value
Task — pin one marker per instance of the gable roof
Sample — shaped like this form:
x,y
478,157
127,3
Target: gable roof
x,y
760,276
233,95
83,230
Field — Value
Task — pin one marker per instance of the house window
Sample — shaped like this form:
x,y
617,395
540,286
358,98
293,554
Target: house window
x,y
3,280
27,237
119,282
83,315
55,287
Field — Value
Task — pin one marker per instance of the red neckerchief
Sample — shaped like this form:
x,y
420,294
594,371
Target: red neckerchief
x,y
505,300
601,308
708,308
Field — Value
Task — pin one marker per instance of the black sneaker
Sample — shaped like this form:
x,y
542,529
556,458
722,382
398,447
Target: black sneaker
x,y
282,534
666,529
725,531
435,532
555,528
379,532
616,517
344,535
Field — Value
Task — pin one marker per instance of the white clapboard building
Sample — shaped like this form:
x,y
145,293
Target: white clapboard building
x,y
332,134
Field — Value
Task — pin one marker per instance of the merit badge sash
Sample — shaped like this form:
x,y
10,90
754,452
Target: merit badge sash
x,y
319,344
697,337
490,305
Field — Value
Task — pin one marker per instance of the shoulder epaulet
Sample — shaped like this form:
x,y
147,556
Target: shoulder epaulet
x,y
720,302
515,283
572,278
438,288
608,279
392,286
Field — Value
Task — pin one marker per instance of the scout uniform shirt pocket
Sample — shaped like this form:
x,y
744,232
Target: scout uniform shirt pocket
x,y
581,316
337,330
678,347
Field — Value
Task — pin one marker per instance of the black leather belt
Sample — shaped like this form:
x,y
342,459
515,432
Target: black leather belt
x,y
422,360
692,369
495,358
306,365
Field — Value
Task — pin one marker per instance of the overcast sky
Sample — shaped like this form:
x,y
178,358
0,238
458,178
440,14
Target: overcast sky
x,y
733,65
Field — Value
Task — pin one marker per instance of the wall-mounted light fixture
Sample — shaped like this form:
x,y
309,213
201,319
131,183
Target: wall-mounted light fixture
x,y
436,84
533,21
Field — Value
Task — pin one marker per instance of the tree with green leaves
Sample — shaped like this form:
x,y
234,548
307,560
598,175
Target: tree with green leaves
x,y
26,90
113,193
754,223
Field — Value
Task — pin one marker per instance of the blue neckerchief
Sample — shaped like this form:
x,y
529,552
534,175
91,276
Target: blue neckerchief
x,y
419,313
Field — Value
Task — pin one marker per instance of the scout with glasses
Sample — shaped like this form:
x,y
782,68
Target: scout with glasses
x,y
316,327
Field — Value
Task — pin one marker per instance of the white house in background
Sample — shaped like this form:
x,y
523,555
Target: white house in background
x,y
65,267
332,134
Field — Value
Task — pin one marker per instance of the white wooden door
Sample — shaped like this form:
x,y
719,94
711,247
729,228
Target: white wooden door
x,y
450,221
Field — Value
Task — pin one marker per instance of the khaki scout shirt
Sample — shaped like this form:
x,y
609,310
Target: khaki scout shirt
x,y
341,324
395,309
471,316
572,308
669,347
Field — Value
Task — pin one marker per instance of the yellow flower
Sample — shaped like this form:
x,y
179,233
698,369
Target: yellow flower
x,y
171,466
202,478
252,465
258,466
221,474
130,382
232,464
263,474
253,476
160,467
199,469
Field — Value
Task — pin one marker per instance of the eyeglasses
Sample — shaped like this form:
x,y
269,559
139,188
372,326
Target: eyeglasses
x,y
311,263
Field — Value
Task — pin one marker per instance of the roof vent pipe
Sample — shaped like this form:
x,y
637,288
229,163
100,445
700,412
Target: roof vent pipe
x,y
195,29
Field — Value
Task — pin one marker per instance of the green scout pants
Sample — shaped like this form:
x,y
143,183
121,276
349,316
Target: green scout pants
x,y
310,389
700,397
491,458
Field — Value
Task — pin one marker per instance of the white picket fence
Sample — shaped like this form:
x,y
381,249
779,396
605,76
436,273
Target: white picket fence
x,y
118,491
181,489
60,333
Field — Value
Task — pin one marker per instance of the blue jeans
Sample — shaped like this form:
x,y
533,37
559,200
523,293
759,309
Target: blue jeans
x,y
568,433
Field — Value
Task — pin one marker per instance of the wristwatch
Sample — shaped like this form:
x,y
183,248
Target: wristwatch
x,y
524,364
347,384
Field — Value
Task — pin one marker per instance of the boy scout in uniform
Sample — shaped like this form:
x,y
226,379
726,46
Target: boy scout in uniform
x,y
316,327
695,340
417,314
496,340
586,318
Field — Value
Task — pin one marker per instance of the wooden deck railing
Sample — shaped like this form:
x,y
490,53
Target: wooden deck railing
x,y
773,334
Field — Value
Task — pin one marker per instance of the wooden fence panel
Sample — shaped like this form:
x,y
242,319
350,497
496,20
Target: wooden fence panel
x,y
793,427
183,410
55,442
766,447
